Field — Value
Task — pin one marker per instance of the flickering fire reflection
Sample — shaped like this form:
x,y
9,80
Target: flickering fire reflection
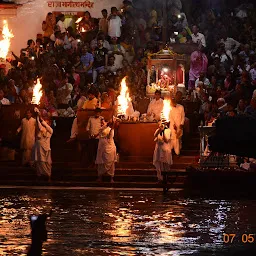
x,y
122,223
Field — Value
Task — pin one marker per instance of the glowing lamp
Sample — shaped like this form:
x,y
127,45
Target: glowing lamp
x,y
165,70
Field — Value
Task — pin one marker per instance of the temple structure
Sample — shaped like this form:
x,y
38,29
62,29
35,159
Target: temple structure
x,y
165,72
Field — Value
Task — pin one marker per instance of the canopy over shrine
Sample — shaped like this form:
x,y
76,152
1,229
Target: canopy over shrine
x,y
165,72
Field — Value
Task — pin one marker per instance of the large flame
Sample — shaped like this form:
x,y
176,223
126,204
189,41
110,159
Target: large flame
x,y
165,117
6,42
123,99
37,93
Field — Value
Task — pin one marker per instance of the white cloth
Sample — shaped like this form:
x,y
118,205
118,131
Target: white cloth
x,y
94,126
106,153
65,43
28,128
114,27
81,102
241,14
5,101
74,129
177,118
118,57
42,150
206,82
254,94
231,44
26,156
155,107
162,158
199,39
17,89
64,93
112,68
253,74
43,169
245,166
94,44
61,26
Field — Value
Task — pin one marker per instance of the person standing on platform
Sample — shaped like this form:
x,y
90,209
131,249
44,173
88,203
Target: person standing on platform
x,y
103,22
92,101
155,107
42,149
28,128
177,119
74,131
93,129
106,153
162,158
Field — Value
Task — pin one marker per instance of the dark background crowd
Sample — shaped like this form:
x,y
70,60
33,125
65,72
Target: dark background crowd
x,y
90,59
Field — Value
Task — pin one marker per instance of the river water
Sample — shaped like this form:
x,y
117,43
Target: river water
x,y
115,223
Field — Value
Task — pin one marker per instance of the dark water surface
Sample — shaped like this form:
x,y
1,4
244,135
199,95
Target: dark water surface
x,y
114,223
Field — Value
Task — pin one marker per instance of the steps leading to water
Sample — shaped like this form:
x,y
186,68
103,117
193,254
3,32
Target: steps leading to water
x,y
69,170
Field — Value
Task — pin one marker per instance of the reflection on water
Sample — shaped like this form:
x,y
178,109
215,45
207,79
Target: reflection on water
x,y
123,223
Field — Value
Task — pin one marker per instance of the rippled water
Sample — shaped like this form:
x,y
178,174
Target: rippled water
x,y
113,223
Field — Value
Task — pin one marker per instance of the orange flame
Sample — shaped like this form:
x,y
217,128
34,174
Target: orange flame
x,y
37,93
79,20
6,42
166,111
123,99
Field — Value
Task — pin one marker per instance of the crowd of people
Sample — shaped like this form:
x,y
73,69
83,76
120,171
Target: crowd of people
x,y
82,67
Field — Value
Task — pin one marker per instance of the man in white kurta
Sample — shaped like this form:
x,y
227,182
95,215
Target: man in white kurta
x,y
28,127
74,131
106,153
42,149
93,128
162,158
177,119
155,107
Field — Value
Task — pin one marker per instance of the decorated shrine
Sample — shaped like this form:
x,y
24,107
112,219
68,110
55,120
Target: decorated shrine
x,y
166,72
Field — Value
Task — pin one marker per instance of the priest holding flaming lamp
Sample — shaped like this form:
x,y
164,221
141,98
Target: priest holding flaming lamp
x,y
162,158
41,154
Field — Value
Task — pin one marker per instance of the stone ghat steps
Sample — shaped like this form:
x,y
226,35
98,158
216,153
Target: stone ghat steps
x,y
106,183
71,179
125,163
11,174
82,173
74,156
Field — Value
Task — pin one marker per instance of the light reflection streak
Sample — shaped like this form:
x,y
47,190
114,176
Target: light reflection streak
x,y
15,223
110,225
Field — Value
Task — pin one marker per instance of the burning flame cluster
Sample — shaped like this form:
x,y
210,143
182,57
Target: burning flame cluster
x,y
165,115
37,93
123,99
6,42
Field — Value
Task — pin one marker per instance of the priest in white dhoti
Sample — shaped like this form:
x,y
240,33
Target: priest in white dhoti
x,y
162,158
106,154
155,107
28,127
42,150
74,129
177,119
